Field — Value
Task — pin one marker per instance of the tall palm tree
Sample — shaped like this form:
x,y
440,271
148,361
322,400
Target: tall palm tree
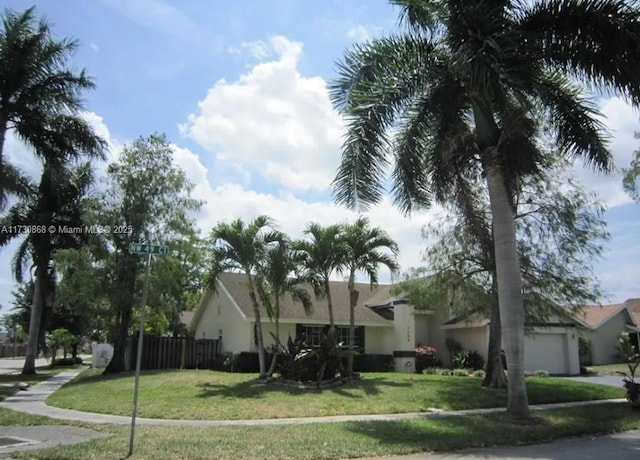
x,y
40,98
275,281
240,246
459,86
365,244
324,253
58,203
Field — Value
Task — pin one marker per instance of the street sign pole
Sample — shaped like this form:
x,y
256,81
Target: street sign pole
x,y
145,292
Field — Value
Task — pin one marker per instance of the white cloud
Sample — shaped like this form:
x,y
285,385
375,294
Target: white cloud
x,y
164,18
621,120
272,120
358,33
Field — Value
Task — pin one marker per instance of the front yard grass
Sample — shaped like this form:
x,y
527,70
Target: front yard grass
x,y
209,395
339,440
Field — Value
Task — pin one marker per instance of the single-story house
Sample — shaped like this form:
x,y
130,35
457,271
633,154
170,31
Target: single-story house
x,y
228,315
384,325
603,325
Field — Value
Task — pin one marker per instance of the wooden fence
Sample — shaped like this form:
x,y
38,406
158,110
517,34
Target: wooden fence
x,y
173,353
10,351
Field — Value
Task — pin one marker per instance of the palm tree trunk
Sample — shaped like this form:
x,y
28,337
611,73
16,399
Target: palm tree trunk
x,y
327,289
3,135
353,300
258,328
494,372
276,350
37,305
509,289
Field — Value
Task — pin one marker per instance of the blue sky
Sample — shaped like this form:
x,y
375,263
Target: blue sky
x,y
240,89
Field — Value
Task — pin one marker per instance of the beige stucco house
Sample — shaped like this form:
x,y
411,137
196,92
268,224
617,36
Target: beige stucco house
x,y
602,325
384,325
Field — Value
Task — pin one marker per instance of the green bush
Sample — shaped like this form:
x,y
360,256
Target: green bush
x,y
584,351
372,363
538,373
67,361
468,360
243,362
460,373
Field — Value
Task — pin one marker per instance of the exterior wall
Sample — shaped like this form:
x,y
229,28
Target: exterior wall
x,y
378,340
604,340
472,338
422,329
268,327
221,315
437,335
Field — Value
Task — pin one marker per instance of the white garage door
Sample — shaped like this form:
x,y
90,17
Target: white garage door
x,y
546,352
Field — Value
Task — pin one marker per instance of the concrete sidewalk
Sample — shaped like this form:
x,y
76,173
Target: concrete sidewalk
x,y
33,401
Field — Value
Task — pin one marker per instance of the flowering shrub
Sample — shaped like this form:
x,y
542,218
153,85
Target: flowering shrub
x,y
426,357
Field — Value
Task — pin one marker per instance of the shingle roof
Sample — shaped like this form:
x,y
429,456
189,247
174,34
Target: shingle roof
x,y
596,315
236,285
633,305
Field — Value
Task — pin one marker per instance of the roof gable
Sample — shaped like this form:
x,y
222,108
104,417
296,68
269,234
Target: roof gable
x,y
595,316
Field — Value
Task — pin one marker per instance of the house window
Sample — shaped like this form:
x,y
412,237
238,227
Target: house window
x,y
313,333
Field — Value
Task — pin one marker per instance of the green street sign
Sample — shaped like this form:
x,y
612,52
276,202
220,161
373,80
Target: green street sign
x,y
139,248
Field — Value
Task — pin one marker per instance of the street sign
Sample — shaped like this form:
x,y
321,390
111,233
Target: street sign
x,y
139,248
148,249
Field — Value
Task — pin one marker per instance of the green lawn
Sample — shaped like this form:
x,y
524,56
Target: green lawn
x,y
608,369
333,441
201,395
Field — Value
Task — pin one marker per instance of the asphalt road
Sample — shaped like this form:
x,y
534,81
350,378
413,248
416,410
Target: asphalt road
x,y
13,365
616,446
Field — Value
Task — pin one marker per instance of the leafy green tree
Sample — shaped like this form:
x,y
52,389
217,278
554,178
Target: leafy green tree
x,y
177,279
242,247
368,249
148,198
40,97
275,279
631,174
58,204
461,86
81,303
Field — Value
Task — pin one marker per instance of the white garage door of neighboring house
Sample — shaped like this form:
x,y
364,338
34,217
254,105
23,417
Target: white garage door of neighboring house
x,y
546,352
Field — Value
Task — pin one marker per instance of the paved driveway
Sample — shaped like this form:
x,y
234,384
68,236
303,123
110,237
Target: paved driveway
x,y
611,380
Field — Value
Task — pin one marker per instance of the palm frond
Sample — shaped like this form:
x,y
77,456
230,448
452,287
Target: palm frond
x,y
596,41
574,120
375,81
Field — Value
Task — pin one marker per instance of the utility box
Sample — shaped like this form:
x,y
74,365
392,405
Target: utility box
x,y
102,354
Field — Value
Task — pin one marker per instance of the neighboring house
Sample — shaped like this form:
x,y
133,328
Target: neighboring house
x,y
384,325
603,325
186,317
